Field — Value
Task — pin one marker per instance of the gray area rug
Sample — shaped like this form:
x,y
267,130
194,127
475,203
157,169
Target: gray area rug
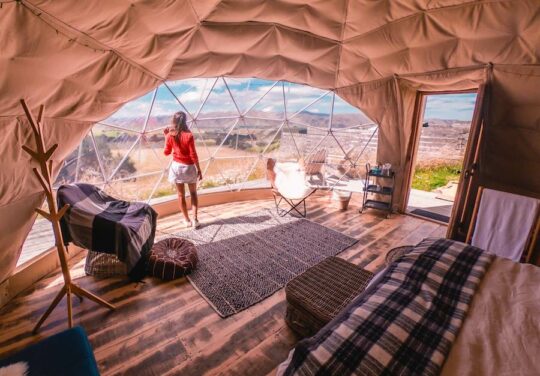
x,y
245,259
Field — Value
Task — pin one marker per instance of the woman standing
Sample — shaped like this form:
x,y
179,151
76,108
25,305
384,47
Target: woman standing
x,y
185,167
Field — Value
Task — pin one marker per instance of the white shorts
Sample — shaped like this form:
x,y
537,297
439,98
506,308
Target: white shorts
x,y
181,173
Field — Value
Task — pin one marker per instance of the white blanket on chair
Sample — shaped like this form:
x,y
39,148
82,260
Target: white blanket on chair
x,y
504,223
291,180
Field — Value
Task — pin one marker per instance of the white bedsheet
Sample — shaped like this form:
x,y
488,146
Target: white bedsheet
x,y
501,333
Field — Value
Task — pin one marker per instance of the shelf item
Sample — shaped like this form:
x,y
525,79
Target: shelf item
x,y
373,188
384,193
381,175
375,204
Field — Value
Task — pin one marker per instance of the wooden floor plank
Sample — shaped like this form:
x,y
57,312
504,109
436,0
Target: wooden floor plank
x,y
168,328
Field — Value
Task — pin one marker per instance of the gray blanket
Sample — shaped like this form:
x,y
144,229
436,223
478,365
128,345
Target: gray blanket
x,y
101,223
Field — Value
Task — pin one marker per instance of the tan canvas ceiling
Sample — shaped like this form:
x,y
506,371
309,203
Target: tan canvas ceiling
x,y
84,59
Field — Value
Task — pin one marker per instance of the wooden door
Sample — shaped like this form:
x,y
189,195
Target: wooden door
x,y
468,181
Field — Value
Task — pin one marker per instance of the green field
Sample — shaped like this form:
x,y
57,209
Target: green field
x,y
428,178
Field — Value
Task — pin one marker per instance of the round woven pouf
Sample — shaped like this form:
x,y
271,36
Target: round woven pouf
x,y
172,258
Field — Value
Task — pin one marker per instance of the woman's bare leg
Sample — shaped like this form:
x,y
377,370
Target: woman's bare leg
x,y
194,199
182,200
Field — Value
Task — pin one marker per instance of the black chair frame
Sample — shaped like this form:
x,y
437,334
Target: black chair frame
x,y
293,206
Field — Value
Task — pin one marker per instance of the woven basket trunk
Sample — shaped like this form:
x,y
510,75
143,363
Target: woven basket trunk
x,y
104,265
321,292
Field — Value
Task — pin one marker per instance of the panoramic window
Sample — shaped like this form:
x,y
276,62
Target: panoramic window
x,y
237,124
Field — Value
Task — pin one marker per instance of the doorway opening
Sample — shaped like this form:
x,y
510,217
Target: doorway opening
x,y
441,143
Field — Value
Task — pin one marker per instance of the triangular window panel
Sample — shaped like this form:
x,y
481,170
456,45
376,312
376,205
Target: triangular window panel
x,y
112,146
82,165
163,109
162,189
217,174
255,175
360,146
133,188
250,138
211,135
270,106
145,158
191,93
248,91
132,115
229,172
219,103
206,129
289,144
307,105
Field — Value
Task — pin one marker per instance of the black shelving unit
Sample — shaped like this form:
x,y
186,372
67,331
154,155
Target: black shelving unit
x,y
378,190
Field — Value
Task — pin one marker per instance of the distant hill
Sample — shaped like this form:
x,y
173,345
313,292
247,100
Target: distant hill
x,y
448,122
305,117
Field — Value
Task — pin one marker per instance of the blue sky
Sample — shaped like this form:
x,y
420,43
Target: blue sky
x,y
450,106
246,91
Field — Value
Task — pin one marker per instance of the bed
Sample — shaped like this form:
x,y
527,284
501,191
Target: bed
x,y
480,315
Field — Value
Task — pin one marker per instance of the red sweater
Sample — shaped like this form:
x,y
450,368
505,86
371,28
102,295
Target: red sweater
x,y
183,149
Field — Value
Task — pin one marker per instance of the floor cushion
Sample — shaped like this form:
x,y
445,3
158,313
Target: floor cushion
x,y
172,258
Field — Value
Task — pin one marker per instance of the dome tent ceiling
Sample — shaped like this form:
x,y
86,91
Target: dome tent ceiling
x,y
84,59
90,48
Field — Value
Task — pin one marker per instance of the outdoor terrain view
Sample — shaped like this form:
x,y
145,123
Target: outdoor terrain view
x,y
234,134
443,139
237,123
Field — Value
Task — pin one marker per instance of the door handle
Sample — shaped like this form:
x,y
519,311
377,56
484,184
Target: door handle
x,y
470,171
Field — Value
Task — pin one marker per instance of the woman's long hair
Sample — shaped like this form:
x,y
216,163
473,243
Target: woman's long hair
x,y
179,122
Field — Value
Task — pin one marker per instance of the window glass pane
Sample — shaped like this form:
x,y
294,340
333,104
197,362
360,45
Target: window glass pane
x,y
270,106
192,92
132,115
81,165
219,103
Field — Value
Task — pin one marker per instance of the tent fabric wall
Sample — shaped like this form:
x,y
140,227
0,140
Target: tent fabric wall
x,y
20,191
84,59
510,154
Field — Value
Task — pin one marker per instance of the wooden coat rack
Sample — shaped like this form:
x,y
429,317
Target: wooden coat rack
x,y
44,176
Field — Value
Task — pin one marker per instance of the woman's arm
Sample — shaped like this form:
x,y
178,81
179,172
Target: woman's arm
x,y
199,171
194,156
168,145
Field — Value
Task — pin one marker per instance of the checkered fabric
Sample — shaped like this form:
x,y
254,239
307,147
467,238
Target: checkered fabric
x,y
406,323
101,223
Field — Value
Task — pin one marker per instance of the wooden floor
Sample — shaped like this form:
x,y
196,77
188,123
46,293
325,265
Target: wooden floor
x,y
166,328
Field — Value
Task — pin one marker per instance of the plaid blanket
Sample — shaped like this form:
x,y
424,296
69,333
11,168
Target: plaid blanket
x,y
101,223
405,323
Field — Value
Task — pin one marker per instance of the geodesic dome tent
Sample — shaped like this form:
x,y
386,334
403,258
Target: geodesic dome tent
x,y
83,60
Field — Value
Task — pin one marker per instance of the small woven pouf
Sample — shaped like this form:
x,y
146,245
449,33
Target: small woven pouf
x,y
172,258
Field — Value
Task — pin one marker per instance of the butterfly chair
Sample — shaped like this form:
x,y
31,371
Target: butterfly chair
x,y
288,182
504,224
313,165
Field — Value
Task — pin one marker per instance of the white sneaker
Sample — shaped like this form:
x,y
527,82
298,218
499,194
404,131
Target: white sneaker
x,y
187,224
195,223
